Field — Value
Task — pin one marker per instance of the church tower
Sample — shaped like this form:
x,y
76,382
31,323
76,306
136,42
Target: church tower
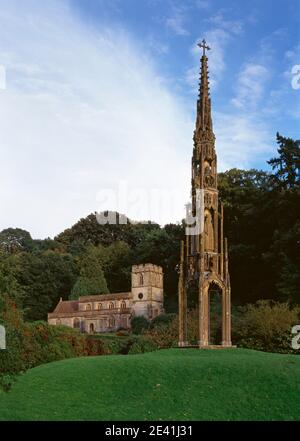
x,y
204,255
147,290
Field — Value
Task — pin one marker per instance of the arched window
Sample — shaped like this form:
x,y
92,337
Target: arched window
x,y
92,328
76,323
88,307
111,322
141,279
111,305
99,306
123,304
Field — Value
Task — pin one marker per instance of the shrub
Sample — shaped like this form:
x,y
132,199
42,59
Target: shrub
x,y
32,344
6,381
162,320
95,346
164,335
141,345
122,333
139,324
266,326
116,345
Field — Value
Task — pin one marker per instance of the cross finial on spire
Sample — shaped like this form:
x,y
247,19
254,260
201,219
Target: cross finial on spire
x,y
204,46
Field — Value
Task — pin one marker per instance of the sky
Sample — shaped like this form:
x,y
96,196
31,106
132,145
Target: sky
x,y
98,100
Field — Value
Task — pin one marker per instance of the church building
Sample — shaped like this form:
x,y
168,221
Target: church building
x,y
110,312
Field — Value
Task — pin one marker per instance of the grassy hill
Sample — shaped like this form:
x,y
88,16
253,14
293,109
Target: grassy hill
x,y
173,384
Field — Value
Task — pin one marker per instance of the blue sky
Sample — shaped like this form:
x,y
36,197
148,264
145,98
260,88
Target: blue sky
x,y
100,96
254,32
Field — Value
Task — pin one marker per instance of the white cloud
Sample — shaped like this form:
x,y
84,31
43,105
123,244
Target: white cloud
x,y
176,20
158,46
232,26
203,4
241,140
82,111
269,45
286,91
250,87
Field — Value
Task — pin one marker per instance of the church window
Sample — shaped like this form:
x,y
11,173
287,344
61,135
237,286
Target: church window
x,y
92,328
88,307
123,304
141,295
99,306
141,279
111,305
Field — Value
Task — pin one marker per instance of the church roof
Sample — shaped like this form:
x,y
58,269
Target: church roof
x,y
101,297
72,306
66,306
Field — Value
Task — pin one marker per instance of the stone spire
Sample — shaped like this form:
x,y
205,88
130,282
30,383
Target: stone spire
x,y
204,253
204,119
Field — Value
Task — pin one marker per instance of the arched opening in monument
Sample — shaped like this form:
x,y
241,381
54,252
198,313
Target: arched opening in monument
x,y
192,313
215,315
92,328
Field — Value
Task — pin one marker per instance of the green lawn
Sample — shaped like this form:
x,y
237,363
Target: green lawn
x,y
173,384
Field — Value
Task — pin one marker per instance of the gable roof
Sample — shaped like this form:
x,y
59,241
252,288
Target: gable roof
x,y
65,306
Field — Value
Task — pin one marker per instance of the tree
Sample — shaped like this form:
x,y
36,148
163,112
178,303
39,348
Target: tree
x,y
287,164
116,262
91,280
9,283
261,218
13,240
45,278
286,262
90,232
